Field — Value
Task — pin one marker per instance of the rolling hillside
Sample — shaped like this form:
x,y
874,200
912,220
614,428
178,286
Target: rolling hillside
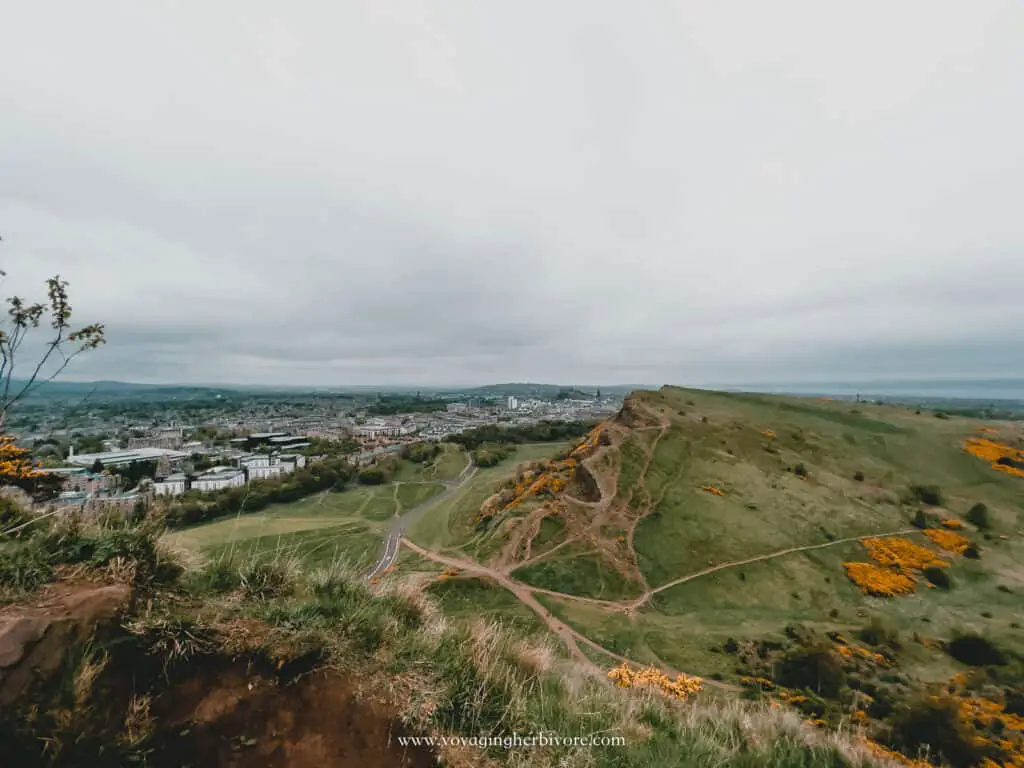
x,y
726,534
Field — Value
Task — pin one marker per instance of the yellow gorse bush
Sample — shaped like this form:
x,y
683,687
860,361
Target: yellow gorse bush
x,y
902,554
898,561
713,489
992,451
948,540
682,687
880,582
15,462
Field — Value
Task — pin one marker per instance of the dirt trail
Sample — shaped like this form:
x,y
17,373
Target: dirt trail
x,y
524,593
566,634
628,606
760,558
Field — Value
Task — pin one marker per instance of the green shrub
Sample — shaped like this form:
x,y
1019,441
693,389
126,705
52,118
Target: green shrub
x,y
939,576
978,515
878,633
858,476
975,650
933,723
927,494
816,668
372,476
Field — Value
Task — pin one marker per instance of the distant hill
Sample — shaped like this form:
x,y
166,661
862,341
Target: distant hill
x,y
551,391
58,391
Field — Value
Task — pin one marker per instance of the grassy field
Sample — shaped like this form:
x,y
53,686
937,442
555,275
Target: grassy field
x,y
348,525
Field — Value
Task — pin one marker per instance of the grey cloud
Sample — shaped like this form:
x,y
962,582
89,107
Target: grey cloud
x,y
345,193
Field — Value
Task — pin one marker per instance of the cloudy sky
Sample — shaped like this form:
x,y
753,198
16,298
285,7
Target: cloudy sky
x,y
467,191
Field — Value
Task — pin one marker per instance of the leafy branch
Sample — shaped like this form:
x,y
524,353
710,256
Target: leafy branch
x,y
65,342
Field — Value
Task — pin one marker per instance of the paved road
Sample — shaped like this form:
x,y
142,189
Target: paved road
x,y
394,536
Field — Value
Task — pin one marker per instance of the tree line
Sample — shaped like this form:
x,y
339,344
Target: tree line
x,y
541,432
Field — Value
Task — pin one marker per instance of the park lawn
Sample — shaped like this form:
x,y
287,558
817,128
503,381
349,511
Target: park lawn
x,y
352,542
370,507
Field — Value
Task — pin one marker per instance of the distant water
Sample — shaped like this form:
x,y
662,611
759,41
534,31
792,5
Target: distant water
x,y
979,389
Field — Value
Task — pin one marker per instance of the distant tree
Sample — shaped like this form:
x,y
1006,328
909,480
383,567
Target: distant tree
x,y
97,467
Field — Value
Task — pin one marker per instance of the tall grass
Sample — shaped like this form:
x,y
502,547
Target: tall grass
x,y
482,679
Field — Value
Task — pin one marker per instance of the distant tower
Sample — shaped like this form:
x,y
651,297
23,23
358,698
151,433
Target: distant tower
x,y
598,395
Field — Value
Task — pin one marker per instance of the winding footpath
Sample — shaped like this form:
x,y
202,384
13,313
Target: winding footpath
x,y
402,522
572,639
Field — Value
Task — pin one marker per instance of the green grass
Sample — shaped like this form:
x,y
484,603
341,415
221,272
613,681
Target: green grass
x,y
445,466
747,445
349,524
577,572
352,542
451,522
413,495
473,598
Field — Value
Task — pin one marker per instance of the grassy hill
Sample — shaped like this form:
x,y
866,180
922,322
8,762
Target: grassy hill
x,y
699,525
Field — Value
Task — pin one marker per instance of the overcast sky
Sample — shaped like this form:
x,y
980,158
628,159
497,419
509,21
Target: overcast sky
x,y
465,191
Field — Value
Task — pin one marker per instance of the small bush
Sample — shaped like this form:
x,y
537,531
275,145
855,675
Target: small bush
x,y
372,476
973,552
927,494
939,577
800,470
858,476
934,723
816,668
978,515
878,633
975,650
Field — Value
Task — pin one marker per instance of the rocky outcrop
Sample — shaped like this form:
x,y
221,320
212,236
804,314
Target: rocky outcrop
x,y
635,414
36,638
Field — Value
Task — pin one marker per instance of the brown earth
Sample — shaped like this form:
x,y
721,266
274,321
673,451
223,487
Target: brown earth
x,y
35,637
231,716
242,706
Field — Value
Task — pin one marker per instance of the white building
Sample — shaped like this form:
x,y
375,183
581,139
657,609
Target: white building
x,y
376,429
219,478
123,458
263,471
172,485
513,403
261,467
